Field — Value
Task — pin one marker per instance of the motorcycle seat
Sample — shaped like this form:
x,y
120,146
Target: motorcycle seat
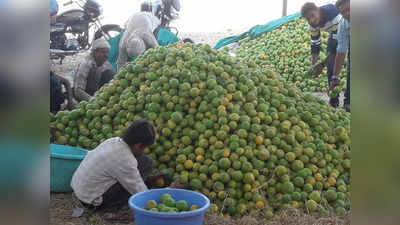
x,y
57,27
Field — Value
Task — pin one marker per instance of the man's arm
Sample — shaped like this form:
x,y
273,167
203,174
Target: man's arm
x,y
314,58
342,47
122,56
315,44
68,88
339,62
328,57
149,39
317,69
128,176
107,73
80,82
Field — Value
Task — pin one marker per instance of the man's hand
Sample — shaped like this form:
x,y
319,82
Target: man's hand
x,y
335,82
154,177
177,184
317,69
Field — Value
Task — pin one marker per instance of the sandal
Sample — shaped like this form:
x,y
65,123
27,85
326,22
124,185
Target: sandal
x,y
120,219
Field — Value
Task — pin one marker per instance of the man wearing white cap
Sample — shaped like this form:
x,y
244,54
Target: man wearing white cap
x,y
93,72
137,37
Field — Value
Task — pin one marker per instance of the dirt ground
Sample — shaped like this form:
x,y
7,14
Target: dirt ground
x,y
62,206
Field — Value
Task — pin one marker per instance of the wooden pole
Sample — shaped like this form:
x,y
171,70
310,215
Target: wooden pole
x,y
284,9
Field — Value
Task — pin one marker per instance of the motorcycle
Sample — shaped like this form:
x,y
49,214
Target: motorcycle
x,y
70,34
165,11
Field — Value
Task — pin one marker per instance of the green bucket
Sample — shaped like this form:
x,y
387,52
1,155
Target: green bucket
x,y
64,160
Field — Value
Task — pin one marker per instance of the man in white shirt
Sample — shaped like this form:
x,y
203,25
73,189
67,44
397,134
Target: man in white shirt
x,y
137,37
116,169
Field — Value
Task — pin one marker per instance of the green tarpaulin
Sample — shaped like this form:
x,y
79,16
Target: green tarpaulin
x,y
166,37
257,30
113,55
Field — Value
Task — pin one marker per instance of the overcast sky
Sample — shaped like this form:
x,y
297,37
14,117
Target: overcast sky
x,y
207,15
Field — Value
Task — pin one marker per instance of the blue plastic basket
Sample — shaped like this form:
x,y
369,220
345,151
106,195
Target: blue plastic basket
x,y
145,217
64,160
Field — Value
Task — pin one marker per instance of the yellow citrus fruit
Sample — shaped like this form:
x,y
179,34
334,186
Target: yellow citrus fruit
x,y
318,177
226,153
295,204
259,140
193,207
200,158
215,176
188,164
260,204
221,108
311,180
214,208
332,181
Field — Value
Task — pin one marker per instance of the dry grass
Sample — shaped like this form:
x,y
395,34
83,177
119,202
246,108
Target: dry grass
x,y
289,217
62,205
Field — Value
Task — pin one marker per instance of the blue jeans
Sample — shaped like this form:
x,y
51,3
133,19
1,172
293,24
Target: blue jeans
x,y
347,93
331,48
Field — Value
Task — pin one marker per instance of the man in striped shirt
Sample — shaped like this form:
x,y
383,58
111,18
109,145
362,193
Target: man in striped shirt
x,y
324,18
343,48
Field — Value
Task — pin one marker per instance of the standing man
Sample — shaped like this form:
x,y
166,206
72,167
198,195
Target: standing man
x,y
324,18
93,72
342,48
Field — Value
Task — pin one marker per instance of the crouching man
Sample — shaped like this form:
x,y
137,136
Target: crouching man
x,y
116,169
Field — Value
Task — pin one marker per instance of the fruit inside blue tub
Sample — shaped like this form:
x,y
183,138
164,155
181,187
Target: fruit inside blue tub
x,y
169,205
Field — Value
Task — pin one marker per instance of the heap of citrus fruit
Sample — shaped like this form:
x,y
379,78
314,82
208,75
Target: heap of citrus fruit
x,y
168,204
230,130
287,50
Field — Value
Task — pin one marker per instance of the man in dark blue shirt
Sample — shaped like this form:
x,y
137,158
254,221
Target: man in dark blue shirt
x,y
325,18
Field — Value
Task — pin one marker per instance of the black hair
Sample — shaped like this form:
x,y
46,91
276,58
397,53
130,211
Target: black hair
x,y
307,7
340,2
188,40
140,132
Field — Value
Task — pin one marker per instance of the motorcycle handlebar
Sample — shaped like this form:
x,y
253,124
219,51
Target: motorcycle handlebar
x,y
68,3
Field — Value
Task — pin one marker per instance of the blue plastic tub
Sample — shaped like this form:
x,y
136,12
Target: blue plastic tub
x,y
145,217
64,160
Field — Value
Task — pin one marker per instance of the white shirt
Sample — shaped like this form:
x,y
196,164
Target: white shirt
x,y
139,26
111,162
